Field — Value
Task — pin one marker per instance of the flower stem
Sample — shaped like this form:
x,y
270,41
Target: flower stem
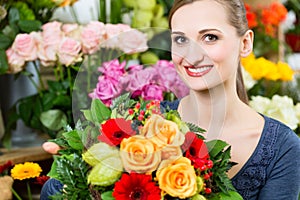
x,y
89,73
70,80
102,16
39,75
29,191
16,194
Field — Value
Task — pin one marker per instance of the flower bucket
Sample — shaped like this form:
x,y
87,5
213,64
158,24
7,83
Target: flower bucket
x,y
12,89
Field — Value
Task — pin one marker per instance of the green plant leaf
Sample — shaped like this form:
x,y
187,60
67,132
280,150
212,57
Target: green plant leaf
x,y
215,147
5,41
99,111
107,196
29,25
13,15
3,62
73,139
53,119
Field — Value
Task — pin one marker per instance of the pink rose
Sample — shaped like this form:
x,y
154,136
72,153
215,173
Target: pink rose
x,y
15,61
169,79
133,41
152,92
92,36
113,70
137,80
52,33
25,45
72,31
106,90
111,34
68,51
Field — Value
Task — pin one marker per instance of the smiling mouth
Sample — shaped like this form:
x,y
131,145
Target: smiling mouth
x,y
198,71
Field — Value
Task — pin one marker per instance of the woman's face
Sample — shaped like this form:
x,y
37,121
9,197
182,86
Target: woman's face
x,y
205,47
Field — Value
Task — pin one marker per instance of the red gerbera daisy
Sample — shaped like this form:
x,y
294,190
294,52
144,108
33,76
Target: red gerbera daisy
x,y
113,131
135,186
196,149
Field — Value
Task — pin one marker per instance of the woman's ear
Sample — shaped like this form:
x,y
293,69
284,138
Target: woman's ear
x,y
246,44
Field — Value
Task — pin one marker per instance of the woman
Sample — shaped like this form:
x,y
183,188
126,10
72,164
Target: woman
x,y
208,39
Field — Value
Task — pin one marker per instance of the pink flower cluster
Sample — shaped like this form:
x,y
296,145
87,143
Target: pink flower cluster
x,y
67,43
148,82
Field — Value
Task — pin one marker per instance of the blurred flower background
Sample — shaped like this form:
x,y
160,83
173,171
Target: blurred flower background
x,y
65,39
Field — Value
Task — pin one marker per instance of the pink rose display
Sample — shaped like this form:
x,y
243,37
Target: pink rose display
x,y
106,90
52,33
133,41
91,37
15,61
113,70
69,51
25,45
152,92
72,30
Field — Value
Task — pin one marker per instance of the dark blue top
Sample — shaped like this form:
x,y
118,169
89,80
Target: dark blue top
x,y
273,170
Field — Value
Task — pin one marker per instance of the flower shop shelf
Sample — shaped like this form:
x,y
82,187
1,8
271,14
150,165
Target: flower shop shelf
x,y
20,155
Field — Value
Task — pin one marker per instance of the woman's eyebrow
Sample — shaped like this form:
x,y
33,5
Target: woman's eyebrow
x,y
177,32
207,30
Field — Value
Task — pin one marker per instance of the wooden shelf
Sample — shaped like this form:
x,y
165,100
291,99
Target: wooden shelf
x,y
21,155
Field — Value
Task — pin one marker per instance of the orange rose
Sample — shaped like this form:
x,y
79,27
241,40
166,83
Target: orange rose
x,y
177,178
162,132
139,154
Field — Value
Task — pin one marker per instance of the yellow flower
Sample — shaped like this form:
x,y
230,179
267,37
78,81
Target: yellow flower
x,y
177,178
285,71
26,170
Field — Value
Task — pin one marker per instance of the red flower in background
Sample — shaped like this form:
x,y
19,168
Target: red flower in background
x,y
41,180
135,186
5,166
196,150
251,17
113,131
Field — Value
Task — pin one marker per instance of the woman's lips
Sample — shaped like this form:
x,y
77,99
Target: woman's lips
x,y
197,71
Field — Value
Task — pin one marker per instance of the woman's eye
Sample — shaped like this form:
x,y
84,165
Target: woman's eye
x,y
180,39
210,38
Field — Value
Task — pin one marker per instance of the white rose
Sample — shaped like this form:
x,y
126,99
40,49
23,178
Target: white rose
x,y
260,104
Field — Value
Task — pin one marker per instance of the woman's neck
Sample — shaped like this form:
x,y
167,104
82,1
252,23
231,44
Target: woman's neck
x,y
212,110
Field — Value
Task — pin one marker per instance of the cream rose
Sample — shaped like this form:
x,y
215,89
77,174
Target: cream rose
x,y
162,132
139,154
171,151
177,178
133,41
15,61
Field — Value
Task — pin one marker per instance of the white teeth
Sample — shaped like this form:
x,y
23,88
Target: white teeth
x,y
199,70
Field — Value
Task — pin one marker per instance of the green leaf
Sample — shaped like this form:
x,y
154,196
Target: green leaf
x,y
99,111
29,25
53,119
88,115
5,41
13,15
73,139
107,196
215,147
3,62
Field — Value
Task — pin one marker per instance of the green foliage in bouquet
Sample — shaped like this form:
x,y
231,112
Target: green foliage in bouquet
x,y
93,162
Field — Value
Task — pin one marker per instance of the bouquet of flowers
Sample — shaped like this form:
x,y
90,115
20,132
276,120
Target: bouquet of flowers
x,y
138,150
